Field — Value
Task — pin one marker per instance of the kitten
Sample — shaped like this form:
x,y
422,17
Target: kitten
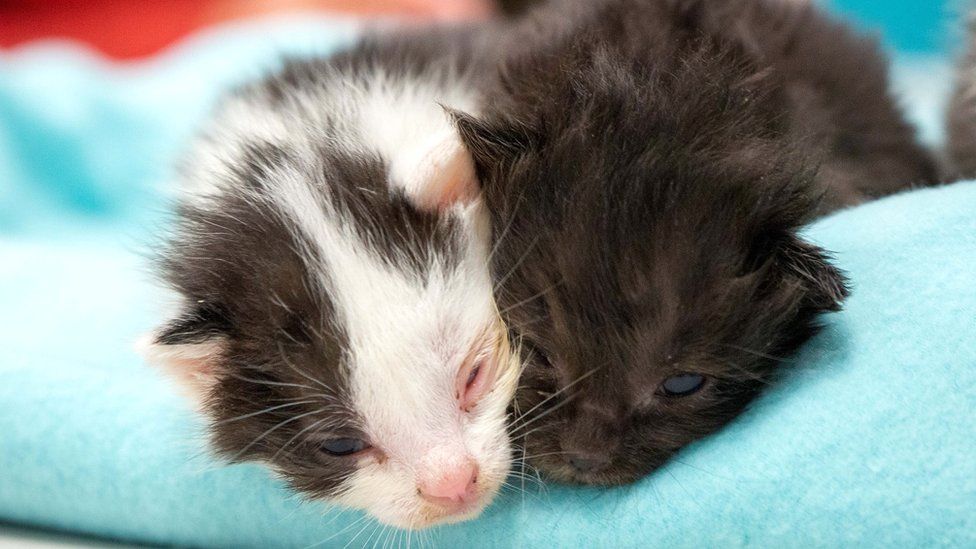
x,y
648,166
337,320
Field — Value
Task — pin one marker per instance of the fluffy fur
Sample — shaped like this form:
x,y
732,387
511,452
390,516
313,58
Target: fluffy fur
x,y
647,165
330,293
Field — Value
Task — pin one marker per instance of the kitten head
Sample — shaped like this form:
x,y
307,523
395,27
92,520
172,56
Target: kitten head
x,y
647,254
341,329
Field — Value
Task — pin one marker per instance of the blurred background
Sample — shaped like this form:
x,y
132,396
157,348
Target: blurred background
x,y
98,99
127,30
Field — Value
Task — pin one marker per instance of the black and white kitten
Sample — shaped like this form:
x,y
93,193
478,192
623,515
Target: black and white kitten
x,y
648,165
336,317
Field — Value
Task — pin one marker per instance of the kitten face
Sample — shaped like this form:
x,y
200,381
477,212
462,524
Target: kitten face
x,y
619,379
339,326
647,258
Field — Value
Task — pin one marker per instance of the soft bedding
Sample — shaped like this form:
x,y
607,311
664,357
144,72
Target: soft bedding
x,y
869,441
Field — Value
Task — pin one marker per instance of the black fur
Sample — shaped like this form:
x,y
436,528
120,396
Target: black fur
x,y
242,269
648,164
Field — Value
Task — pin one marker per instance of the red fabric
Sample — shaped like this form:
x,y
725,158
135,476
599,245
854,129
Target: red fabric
x,y
119,29
128,29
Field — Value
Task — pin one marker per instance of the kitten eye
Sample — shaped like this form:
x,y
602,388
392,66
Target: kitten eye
x,y
473,385
682,385
472,376
340,447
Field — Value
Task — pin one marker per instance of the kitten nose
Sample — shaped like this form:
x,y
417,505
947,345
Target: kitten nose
x,y
453,489
587,463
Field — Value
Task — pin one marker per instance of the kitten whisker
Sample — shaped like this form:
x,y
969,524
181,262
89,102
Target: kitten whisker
x,y
272,383
377,527
516,427
306,429
759,354
752,376
359,533
269,431
324,396
288,363
535,430
530,299
535,456
340,532
508,226
525,255
565,401
264,411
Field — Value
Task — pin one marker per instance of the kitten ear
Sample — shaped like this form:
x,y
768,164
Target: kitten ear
x,y
826,284
444,176
188,349
489,144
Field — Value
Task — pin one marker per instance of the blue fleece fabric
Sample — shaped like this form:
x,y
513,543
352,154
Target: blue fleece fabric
x,y
909,25
869,442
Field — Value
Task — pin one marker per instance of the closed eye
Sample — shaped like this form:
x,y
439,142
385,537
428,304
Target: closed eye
x,y
344,446
473,382
477,375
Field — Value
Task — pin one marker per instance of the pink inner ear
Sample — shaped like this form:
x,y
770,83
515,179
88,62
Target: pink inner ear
x,y
196,374
193,367
446,177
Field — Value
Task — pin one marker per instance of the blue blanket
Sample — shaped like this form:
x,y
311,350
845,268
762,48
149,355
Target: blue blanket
x,y
869,442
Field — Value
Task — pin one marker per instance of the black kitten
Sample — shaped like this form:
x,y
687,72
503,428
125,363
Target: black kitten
x,y
647,165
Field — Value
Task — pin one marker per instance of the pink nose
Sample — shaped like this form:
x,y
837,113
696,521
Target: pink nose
x,y
453,489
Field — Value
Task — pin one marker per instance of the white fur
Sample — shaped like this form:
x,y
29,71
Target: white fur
x,y
239,120
405,120
402,120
